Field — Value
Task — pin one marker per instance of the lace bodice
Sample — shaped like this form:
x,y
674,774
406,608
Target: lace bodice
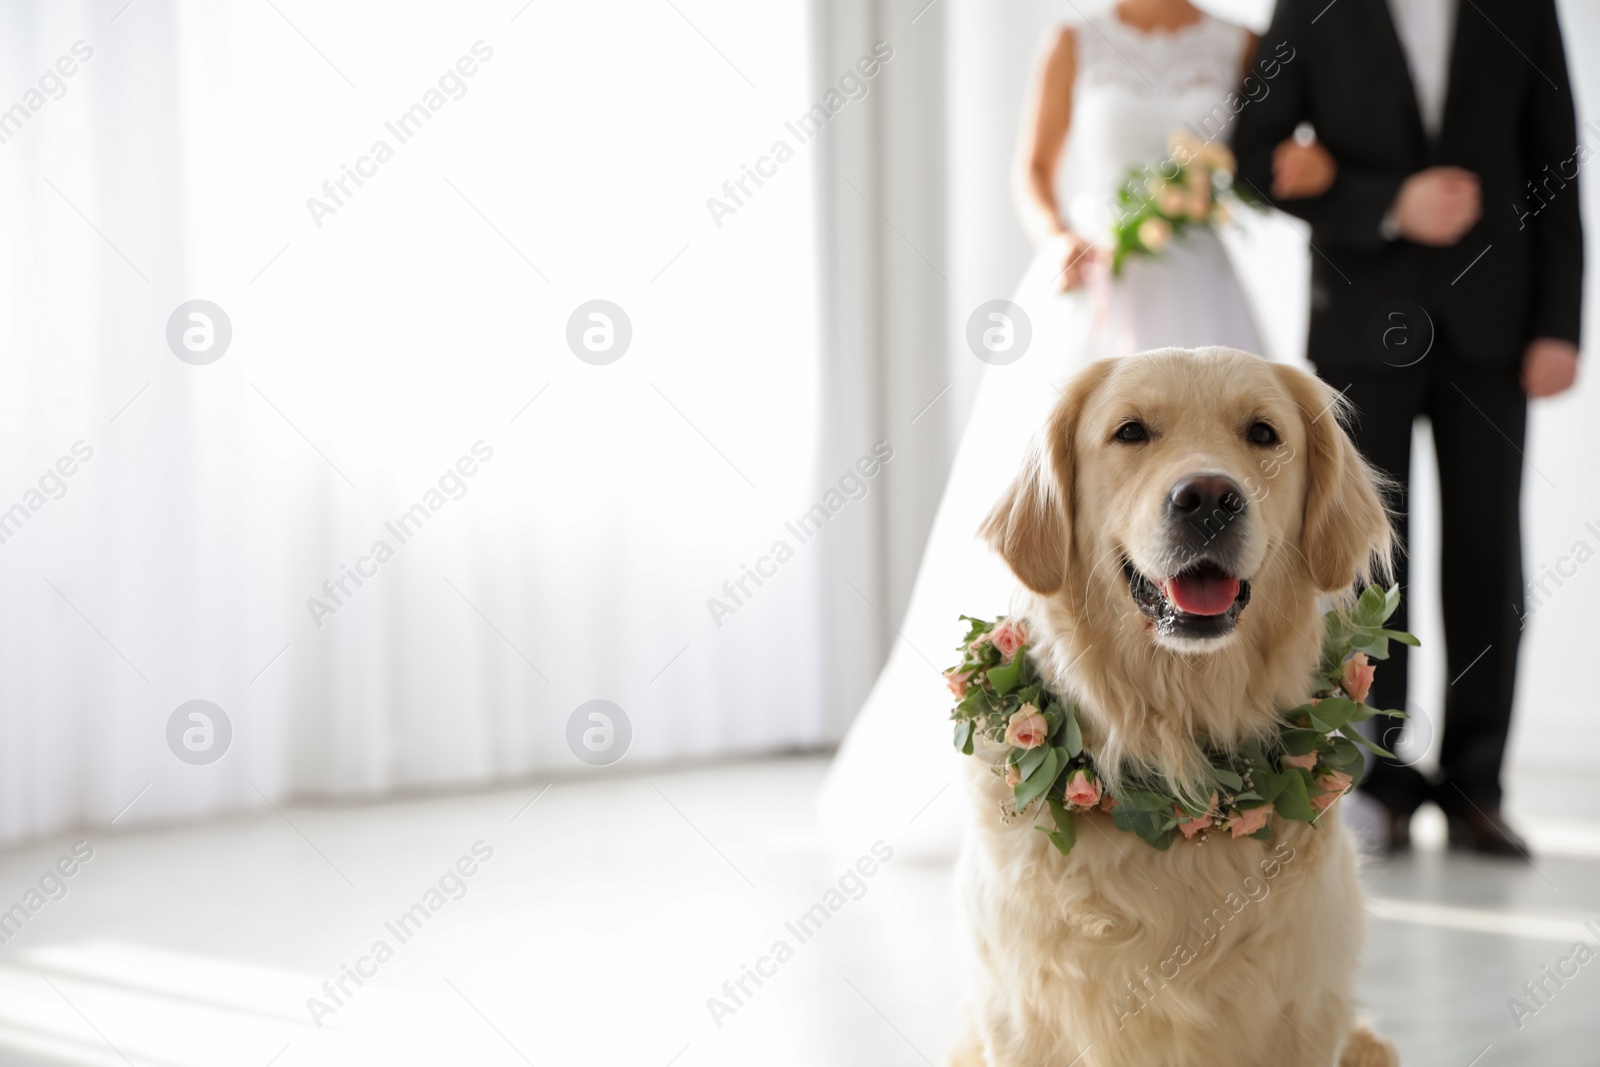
x,y
1134,89
1203,55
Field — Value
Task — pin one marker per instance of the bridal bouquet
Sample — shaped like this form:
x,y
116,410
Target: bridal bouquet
x,y
1031,736
1155,204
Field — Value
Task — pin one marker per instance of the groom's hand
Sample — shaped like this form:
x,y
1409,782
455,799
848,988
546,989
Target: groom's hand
x,y
1301,171
1549,366
1438,206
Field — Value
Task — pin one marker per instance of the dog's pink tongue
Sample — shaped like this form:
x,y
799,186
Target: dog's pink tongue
x,y
1203,594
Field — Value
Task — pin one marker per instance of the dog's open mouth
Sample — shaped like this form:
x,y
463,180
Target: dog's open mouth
x,y
1199,602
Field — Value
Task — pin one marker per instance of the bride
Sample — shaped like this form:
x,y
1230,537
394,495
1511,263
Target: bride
x,y
1109,95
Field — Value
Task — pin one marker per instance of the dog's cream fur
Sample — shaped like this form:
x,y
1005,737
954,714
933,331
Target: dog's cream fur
x,y
1229,951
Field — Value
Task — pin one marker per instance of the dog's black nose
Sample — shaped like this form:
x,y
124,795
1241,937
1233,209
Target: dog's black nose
x,y
1204,494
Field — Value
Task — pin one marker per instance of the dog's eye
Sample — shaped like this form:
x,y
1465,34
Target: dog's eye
x,y
1262,434
1132,431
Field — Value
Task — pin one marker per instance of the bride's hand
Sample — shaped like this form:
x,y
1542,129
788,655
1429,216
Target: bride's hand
x,y
1077,258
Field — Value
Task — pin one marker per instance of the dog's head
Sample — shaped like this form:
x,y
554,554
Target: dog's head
x,y
1178,484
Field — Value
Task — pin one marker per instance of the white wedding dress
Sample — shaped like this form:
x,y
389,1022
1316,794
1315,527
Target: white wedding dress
x,y
892,776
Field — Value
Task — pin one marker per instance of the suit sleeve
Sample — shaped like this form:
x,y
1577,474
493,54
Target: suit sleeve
x,y
1352,210
1265,123
1551,139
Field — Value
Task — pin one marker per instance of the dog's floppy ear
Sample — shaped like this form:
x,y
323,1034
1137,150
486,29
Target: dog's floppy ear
x,y
1031,526
1346,536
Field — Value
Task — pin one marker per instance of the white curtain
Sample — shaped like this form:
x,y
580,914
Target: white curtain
x,y
410,330
887,287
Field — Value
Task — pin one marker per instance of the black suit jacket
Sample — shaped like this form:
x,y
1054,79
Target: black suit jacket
x,y
1508,118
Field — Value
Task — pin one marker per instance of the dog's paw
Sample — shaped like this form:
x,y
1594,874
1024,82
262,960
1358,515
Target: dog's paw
x,y
1365,1049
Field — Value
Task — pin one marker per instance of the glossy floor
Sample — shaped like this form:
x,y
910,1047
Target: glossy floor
x,y
597,922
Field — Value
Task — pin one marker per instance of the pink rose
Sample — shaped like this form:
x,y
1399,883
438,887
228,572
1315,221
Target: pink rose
x,y
1013,775
1357,677
957,681
1171,199
1154,233
1333,785
1008,637
1026,728
1248,822
1194,826
1082,790
1306,762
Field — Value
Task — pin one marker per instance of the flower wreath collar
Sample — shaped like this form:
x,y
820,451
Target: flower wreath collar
x,y
1033,738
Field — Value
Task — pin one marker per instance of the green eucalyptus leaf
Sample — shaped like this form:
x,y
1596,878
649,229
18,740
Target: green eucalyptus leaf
x,y
1270,784
1223,776
1006,677
1058,839
1370,608
1334,711
975,631
1295,801
1124,817
1048,766
1366,742
1153,828
964,737
1030,760
1073,740
1035,785
1143,800
1300,742
1335,634
977,700
1375,647
1363,712
1345,753
1065,835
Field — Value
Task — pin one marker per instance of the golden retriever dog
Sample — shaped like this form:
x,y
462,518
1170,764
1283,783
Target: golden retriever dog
x,y
1174,529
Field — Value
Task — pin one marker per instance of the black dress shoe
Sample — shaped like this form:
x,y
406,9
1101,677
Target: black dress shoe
x,y
1394,823
1486,833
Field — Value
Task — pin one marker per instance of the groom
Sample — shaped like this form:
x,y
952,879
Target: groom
x,y
1441,187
